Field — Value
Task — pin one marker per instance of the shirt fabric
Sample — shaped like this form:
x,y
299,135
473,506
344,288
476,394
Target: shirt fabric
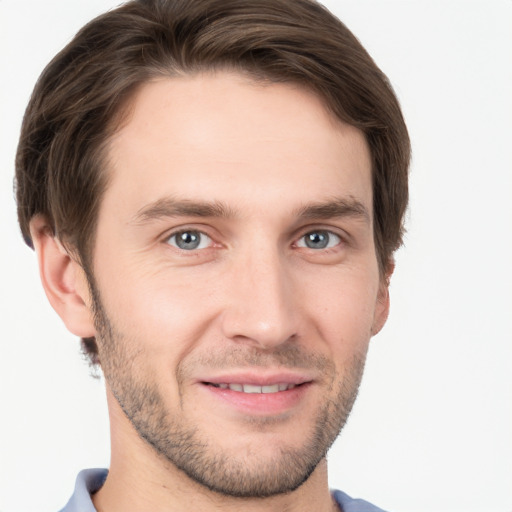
x,y
90,480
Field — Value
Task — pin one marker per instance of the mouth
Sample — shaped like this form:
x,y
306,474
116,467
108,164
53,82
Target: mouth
x,y
262,393
250,394
252,388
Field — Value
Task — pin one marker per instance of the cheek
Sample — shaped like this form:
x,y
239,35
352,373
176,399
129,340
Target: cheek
x,y
342,306
156,325
158,311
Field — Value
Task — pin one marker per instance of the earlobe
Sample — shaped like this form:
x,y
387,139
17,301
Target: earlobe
x,y
63,280
382,306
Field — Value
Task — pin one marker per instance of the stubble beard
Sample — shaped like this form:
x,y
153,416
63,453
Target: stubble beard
x,y
183,446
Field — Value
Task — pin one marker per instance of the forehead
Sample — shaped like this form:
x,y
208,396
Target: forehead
x,y
227,138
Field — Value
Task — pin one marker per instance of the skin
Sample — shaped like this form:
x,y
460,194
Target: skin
x,y
265,166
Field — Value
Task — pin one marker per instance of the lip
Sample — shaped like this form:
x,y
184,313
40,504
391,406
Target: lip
x,y
258,404
258,378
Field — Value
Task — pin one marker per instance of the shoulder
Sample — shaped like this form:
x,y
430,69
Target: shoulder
x,y
348,504
88,481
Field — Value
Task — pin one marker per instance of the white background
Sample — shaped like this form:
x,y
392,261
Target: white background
x,y
432,428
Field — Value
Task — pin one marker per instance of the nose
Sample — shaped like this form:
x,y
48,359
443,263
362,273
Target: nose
x,y
260,307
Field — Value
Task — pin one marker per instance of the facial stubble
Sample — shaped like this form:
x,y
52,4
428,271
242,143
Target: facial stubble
x,y
179,443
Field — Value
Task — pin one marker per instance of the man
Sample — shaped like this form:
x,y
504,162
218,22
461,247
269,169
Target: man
x,y
214,190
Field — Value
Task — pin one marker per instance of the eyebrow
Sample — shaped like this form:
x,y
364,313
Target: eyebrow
x,y
172,207
334,208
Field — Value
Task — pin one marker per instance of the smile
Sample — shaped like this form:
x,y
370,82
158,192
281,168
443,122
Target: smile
x,y
259,395
251,388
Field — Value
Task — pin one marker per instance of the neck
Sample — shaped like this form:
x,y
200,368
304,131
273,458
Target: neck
x,y
139,479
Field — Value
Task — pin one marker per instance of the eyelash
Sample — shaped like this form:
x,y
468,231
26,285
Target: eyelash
x,y
330,235
301,243
194,232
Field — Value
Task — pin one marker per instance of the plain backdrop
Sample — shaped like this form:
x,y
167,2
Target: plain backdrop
x,y
432,428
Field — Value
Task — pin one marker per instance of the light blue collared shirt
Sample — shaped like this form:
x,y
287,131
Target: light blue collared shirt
x,y
89,481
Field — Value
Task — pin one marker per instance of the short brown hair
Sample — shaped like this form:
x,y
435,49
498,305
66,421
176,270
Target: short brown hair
x,y
77,101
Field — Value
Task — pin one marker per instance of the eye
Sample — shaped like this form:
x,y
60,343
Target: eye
x,y
321,239
189,240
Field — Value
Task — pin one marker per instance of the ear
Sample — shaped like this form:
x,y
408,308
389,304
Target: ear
x,y
63,280
382,306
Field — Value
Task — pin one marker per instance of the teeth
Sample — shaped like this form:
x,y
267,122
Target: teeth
x,y
250,388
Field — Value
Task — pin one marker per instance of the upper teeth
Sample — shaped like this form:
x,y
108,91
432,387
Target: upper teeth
x,y
250,388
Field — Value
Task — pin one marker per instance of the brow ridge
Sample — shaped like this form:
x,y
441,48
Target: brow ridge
x,y
171,207
334,208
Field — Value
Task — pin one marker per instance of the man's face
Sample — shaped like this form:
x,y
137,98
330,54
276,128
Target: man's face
x,y
237,278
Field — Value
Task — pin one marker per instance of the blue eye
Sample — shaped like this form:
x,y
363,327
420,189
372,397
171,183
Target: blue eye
x,y
189,240
320,239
